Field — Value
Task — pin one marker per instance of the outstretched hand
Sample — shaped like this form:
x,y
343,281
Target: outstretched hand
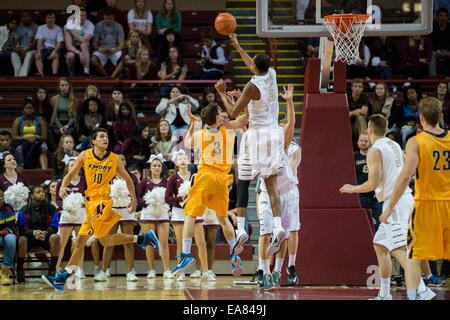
x,y
234,40
221,86
192,117
288,94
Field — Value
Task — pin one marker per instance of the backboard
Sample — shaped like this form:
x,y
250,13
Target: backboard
x,y
304,18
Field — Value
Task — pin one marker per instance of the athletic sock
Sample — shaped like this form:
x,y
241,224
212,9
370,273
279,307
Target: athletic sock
x,y
86,70
240,223
231,243
261,264
266,268
385,287
412,294
278,264
187,243
276,222
292,258
422,286
70,269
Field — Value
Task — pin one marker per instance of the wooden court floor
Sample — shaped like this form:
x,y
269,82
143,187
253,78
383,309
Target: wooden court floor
x,y
117,288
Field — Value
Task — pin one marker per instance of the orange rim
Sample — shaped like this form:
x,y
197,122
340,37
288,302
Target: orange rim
x,y
344,21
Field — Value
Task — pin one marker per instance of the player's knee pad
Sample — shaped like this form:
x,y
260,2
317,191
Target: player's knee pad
x,y
242,193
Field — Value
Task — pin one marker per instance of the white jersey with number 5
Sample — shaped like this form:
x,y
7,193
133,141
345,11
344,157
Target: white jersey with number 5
x,y
264,112
392,156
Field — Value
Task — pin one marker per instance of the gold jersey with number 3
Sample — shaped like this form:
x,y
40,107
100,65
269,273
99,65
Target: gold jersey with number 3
x,y
99,173
216,149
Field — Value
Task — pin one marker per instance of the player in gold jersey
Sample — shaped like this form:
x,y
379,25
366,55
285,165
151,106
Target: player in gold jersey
x,y
100,168
209,186
427,157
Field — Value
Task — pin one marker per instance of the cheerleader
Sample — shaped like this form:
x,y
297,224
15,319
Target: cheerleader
x,y
157,221
172,197
68,224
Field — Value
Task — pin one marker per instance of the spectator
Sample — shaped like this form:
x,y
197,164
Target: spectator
x,y
38,225
91,92
51,193
302,6
119,17
91,118
77,39
169,40
440,37
164,142
368,200
407,115
359,107
42,104
140,19
93,7
176,111
168,18
8,239
6,146
49,38
66,148
30,132
137,148
130,51
125,127
385,58
173,68
64,110
381,102
417,57
24,46
7,34
213,60
209,98
9,174
312,47
358,68
443,95
144,68
134,169
108,44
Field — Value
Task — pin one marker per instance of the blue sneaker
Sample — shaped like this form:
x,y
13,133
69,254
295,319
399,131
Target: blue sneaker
x,y
434,281
236,265
150,239
186,260
58,281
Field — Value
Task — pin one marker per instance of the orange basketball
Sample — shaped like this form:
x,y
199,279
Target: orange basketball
x,y
225,23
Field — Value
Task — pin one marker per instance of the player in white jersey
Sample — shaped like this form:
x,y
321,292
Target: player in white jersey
x,y
262,145
385,162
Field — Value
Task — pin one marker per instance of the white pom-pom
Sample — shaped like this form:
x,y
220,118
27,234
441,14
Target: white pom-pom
x,y
90,241
17,195
155,201
183,190
120,194
73,203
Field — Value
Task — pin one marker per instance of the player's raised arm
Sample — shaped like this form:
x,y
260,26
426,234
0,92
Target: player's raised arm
x,y
63,191
190,138
288,95
375,165
122,172
234,109
244,55
409,169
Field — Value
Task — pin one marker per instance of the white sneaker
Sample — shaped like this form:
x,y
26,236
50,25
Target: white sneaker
x,y
208,276
80,274
378,297
181,277
168,275
279,236
241,238
151,274
108,272
131,276
426,295
97,270
101,277
196,274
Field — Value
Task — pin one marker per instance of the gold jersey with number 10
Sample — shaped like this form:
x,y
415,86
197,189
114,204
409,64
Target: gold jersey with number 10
x,y
99,173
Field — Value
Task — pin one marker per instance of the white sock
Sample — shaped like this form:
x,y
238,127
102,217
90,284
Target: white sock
x,y
187,243
231,243
385,287
86,69
278,264
70,269
292,258
240,223
422,286
276,222
135,239
261,264
428,276
412,294
266,267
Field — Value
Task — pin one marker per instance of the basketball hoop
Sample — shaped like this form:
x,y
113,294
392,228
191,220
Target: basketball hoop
x,y
347,31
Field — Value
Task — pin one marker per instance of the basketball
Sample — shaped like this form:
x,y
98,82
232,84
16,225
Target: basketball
x,y
225,23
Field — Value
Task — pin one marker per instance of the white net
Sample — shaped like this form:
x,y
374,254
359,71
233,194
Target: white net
x,y
347,31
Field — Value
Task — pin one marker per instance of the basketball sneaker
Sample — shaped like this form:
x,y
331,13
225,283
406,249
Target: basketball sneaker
x,y
434,281
181,277
292,276
150,239
186,261
58,281
276,279
428,294
241,238
267,282
196,274
378,297
279,235
131,276
151,274
168,275
101,277
208,276
236,265
259,277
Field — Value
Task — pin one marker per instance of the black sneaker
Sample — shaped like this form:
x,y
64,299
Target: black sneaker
x,y
259,277
20,276
398,281
292,276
